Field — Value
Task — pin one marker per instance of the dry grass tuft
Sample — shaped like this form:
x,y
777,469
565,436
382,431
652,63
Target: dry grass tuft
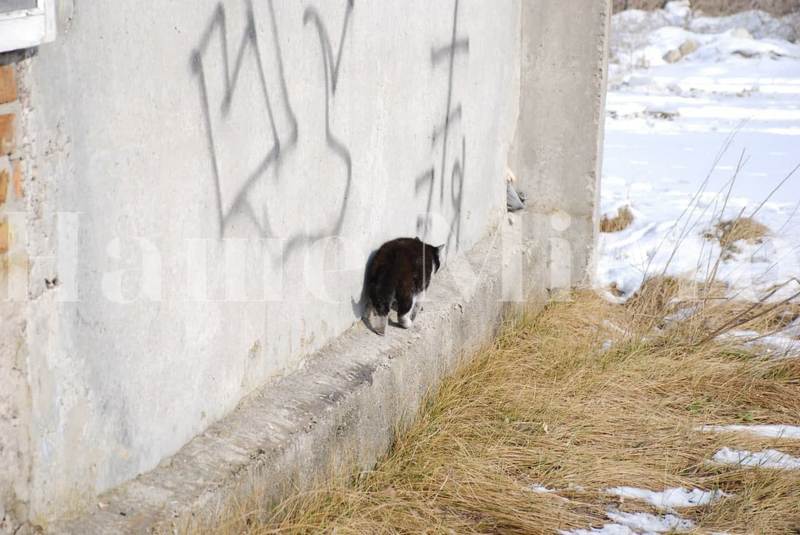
x,y
730,231
619,222
662,297
764,318
579,398
654,296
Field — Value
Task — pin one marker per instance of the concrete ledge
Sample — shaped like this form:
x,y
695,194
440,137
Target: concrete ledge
x,y
339,412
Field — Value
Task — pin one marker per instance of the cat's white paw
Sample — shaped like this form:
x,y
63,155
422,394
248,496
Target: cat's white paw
x,y
406,322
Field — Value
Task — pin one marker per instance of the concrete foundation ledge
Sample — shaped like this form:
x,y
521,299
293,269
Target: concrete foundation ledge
x,y
339,412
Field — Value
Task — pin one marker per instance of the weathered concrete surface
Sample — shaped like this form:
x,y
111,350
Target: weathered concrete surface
x,y
558,146
338,414
205,183
220,171
14,415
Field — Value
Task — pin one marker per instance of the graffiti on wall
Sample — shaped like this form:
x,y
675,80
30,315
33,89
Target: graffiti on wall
x,y
234,198
330,64
448,170
239,188
240,191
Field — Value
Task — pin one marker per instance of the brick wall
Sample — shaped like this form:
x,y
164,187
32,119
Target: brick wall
x,y
718,7
10,163
14,393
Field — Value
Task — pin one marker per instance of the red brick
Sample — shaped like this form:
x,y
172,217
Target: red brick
x,y
7,134
8,85
3,186
3,237
17,179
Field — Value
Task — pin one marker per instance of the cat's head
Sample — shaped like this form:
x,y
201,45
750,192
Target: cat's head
x,y
434,252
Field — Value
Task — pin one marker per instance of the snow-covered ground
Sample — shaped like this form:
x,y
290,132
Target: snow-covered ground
x,y
691,99
767,431
637,523
670,498
703,125
772,459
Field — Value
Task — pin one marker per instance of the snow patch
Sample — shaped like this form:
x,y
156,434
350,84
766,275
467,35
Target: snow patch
x,y
651,523
789,432
774,344
773,459
637,523
670,498
541,489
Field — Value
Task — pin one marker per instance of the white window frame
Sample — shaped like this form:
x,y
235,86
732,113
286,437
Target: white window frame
x,y
26,28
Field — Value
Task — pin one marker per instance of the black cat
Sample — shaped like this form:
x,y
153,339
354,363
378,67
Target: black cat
x,y
399,272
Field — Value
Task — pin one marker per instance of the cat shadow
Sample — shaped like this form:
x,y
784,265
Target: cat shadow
x,y
361,308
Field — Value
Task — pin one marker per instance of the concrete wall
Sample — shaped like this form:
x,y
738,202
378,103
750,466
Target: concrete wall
x,y
204,181
558,144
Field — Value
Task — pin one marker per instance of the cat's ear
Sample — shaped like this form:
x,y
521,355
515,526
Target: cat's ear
x,y
437,257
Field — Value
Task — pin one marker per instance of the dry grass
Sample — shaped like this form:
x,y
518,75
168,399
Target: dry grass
x,y
656,295
619,222
741,229
731,231
661,297
582,397
702,311
763,318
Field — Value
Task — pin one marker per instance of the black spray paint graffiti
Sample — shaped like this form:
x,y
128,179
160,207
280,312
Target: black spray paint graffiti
x,y
281,142
458,45
284,136
331,66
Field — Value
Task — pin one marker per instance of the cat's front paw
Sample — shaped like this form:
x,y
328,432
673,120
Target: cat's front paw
x,y
406,322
